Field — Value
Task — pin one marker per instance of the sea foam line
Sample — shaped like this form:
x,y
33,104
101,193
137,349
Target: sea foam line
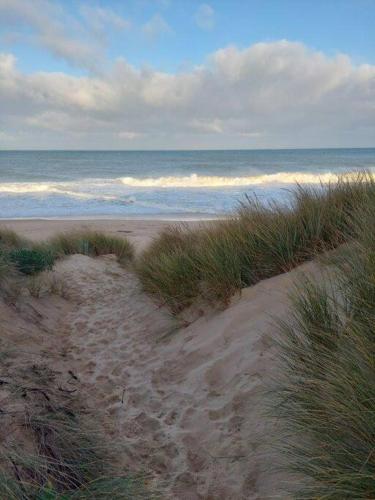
x,y
74,188
23,188
200,181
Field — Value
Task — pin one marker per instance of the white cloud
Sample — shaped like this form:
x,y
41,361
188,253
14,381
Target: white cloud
x,y
128,135
278,94
205,17
214,125
7,140
101,18
156,27
52,29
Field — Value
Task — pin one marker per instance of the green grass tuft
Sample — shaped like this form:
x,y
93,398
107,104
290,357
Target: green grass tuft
x,y
32,260
23,256
92,243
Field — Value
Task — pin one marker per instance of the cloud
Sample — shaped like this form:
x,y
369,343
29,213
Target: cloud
x,y
200,125
278,94
54,30
128,135
102,18
82,40
156,27
205,17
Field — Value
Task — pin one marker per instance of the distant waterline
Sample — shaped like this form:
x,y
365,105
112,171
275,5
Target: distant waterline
x,y
161,183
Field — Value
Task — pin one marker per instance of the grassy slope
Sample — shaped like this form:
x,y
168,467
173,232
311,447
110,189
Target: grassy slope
x,y
255,243
327,396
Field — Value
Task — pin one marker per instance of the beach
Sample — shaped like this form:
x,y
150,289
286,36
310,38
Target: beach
x,y
137,231
187,250
181,346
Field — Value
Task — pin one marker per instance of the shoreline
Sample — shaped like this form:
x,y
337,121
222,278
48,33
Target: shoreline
x,y
166,218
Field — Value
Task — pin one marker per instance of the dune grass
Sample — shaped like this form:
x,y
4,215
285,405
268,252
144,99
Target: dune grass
x,y
257,242
32,260
6,267
21,256
26,257
10,240
50,445
326,397
9,286
92,243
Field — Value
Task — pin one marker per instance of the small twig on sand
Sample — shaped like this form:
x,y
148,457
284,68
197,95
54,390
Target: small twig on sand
x,y
228,457
72,375
68,391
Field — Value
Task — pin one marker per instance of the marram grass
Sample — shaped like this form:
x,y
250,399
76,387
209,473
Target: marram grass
x,y
257,242
326,397
52,447
92,243
21,255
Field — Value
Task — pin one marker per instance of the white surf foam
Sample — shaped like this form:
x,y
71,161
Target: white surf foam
x,y
25,188
201,181
95,188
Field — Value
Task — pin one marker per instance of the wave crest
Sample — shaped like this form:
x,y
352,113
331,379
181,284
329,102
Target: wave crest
x,y
109,189
25,188
205,181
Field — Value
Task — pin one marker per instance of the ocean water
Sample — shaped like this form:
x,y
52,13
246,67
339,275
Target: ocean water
x,y
165,184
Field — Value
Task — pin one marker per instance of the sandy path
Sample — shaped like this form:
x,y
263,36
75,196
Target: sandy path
x,y
186,405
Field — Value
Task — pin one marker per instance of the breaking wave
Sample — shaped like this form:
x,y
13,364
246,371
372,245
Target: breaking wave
x,y
146,195
109,189
25,188
205,181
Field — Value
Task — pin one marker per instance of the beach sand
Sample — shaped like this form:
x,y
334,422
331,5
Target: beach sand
x,y
139,232
185,402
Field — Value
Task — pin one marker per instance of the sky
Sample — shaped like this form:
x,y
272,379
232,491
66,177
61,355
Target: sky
x,y
186,74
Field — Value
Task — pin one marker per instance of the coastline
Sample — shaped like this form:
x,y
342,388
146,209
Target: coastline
x,y
142,217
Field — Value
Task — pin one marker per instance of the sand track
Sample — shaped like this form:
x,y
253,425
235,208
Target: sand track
x,y
185,405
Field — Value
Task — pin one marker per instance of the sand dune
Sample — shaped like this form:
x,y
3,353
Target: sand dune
x,y
184,401
185,404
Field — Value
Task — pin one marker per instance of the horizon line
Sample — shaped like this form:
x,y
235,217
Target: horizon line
x,y
182,150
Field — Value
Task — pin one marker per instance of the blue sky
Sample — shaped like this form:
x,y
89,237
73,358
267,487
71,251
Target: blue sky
x,y
331,26
320,24
186,73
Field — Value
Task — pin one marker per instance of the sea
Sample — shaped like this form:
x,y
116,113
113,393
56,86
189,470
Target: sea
x,y
161,184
